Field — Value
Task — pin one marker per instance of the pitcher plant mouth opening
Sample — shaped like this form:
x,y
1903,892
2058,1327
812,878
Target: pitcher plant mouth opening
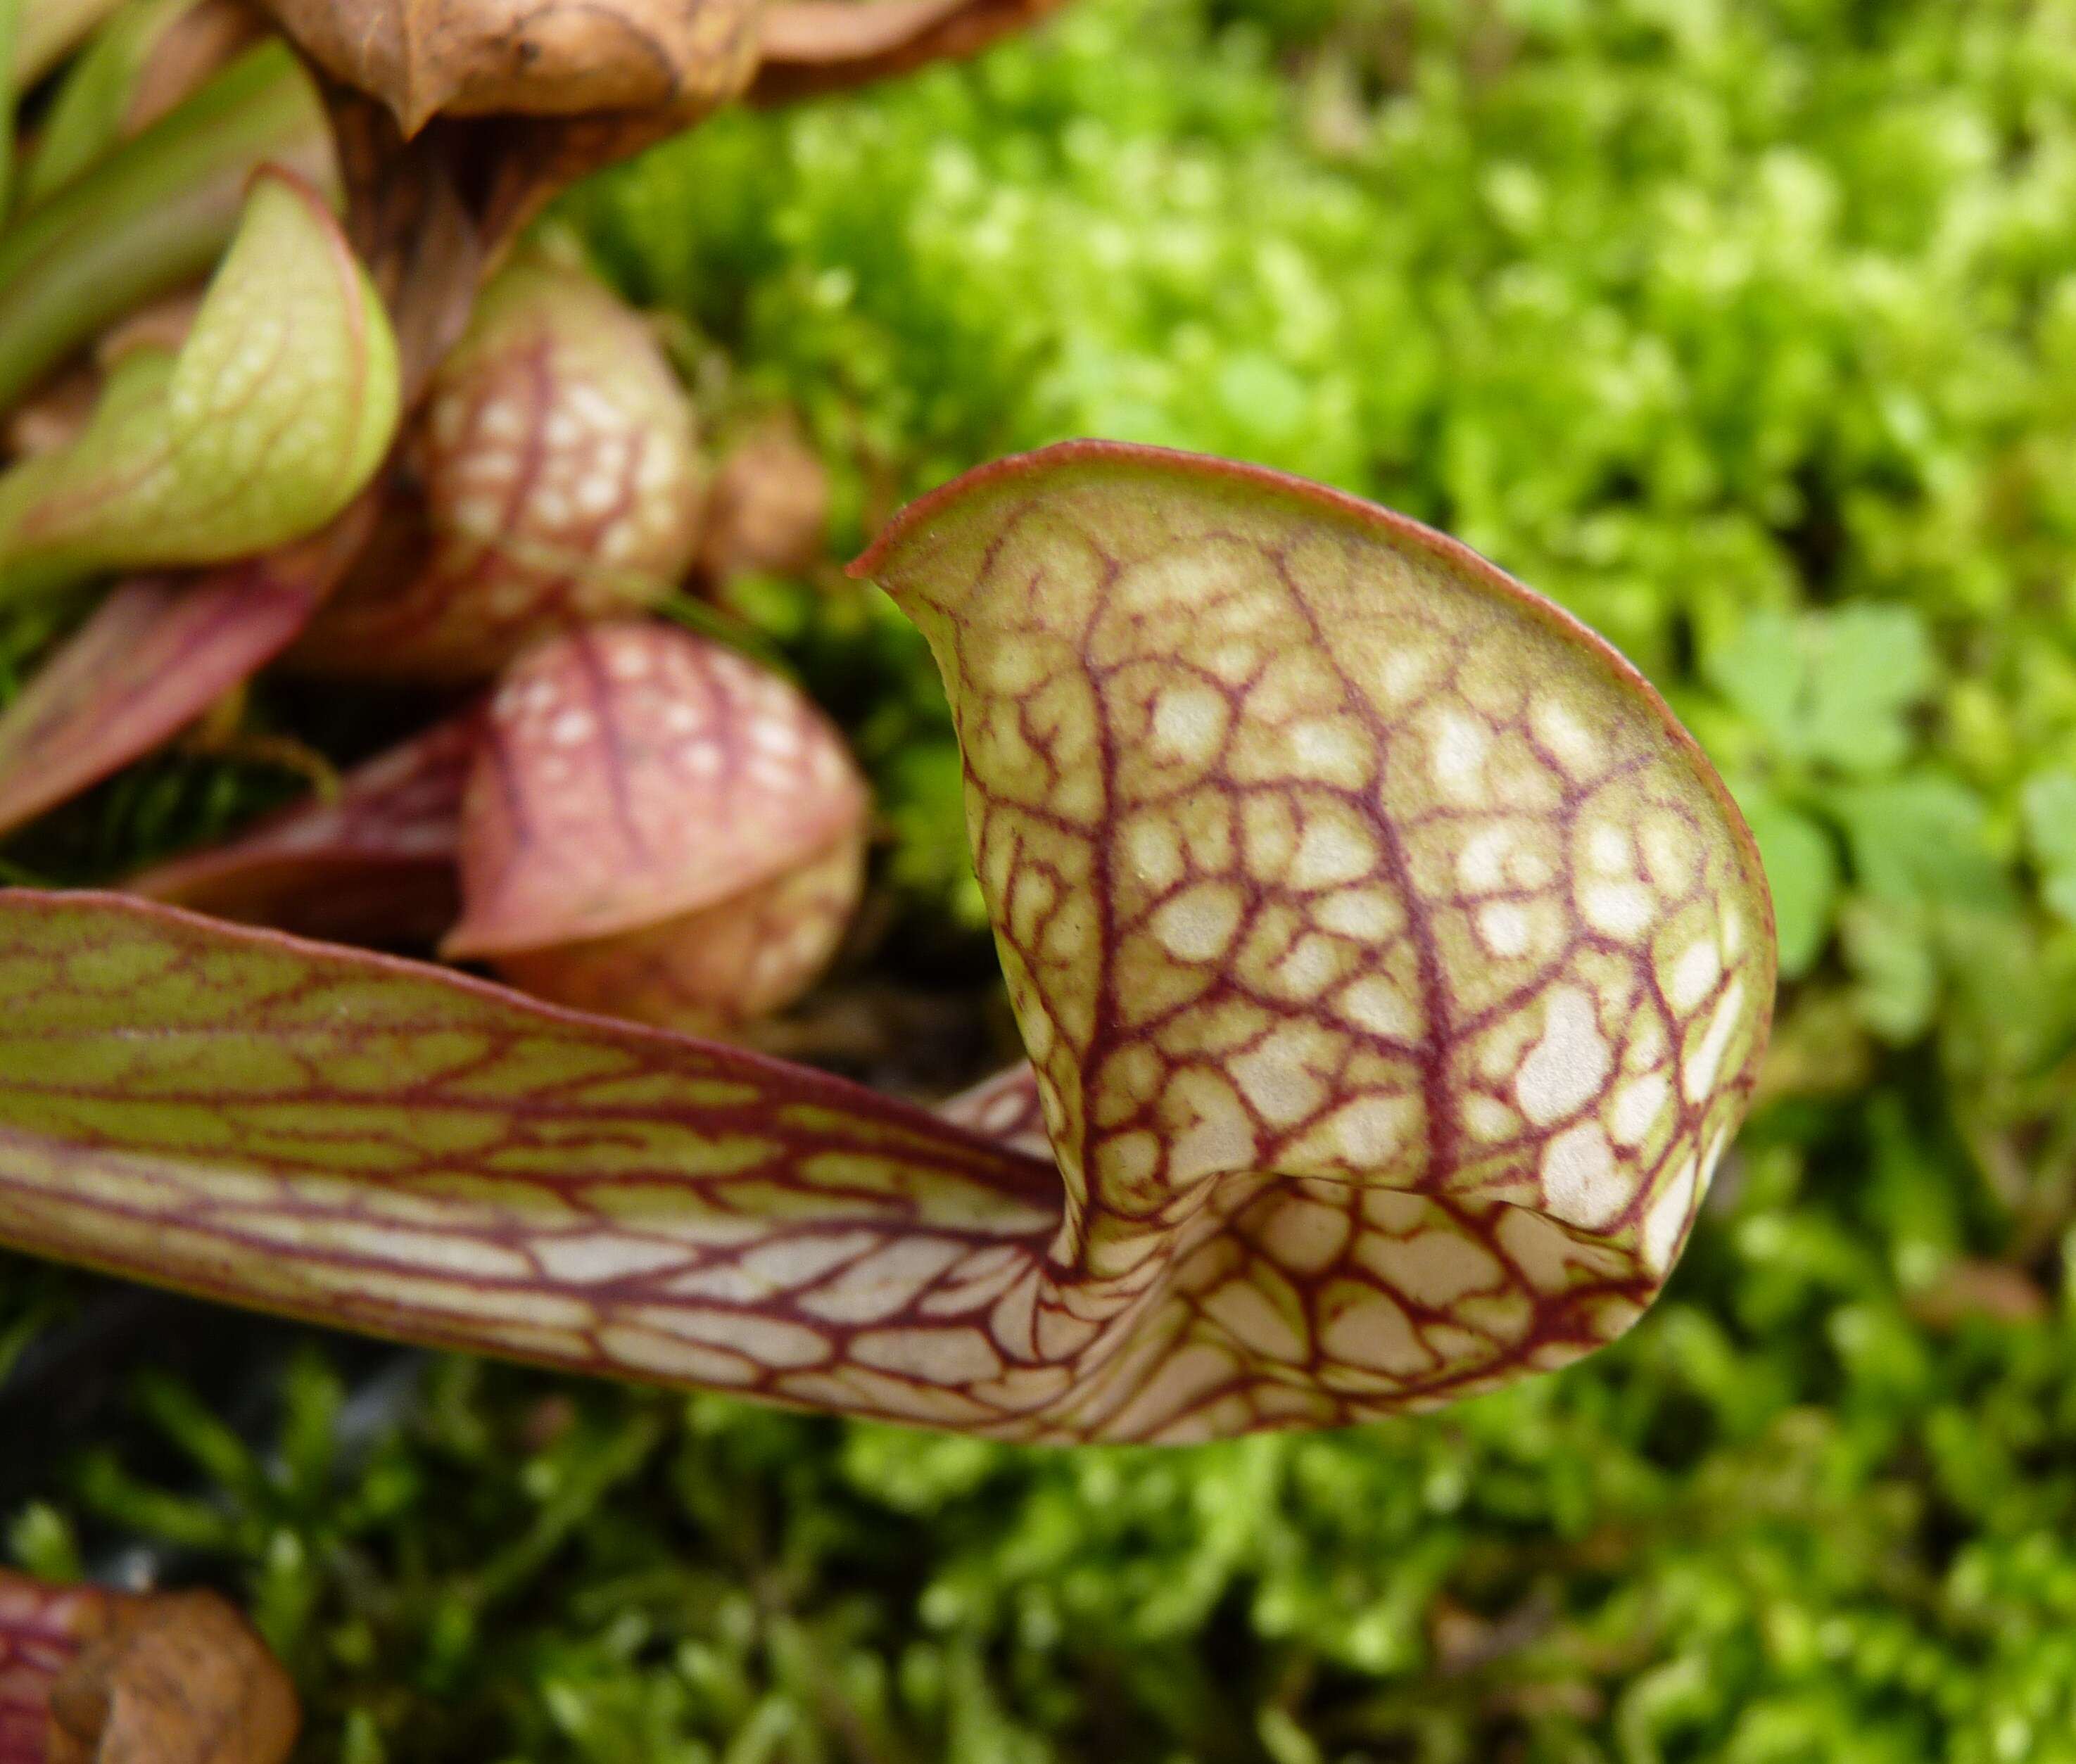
x,y
1393,970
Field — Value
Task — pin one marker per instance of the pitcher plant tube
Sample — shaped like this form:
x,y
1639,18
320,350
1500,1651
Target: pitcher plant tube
x,y
1394,971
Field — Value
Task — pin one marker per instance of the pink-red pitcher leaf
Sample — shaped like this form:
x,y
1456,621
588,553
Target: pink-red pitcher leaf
x,y
633,773
158,652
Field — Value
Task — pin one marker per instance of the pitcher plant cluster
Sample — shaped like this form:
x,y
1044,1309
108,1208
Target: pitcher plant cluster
x,y
1392,968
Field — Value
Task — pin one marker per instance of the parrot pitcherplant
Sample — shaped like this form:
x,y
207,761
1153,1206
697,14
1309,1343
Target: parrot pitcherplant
x,y
1393,970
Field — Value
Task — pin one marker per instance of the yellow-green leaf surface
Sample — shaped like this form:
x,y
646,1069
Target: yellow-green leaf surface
x,y
1393,970
272,416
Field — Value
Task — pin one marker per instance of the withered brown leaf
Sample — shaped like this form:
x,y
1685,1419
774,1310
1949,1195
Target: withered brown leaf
x,y
179,1678
563,58
89,1676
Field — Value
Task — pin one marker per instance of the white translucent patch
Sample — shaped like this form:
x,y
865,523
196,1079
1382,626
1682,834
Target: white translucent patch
x,y
1198,924
1694,975
1379,1005
934,1356
1583,1182
1623,910
572,728
769,1340
1432,1268
1190,723
1368,1133
1567,1067
1154,850
600,1256
1366,1328
488,470
1220,1139
883,1282
1667,1216
502,420
1369,915
791,1262
690,1361
1487,1117
1458,746
1404,671
1179,1381
590,406
1609,849
1697,1075
1330,750
1669,853
438,1251
1277,1087
1311,965
1306,1236
1732,933
1060,1333
596,493
1504,927
1562,734
1257,1324
1537,1246
783,739
1332,851
656,470
1481,864
1637,1105
1015,1314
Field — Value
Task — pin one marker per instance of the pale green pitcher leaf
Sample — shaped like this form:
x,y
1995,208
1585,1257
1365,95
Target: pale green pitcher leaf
x,y
272,415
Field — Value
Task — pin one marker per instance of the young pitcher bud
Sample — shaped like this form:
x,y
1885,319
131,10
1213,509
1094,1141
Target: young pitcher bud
x,y
655,827
560,484
769,508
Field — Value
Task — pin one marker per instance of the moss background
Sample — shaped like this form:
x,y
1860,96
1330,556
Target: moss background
x,y
1746,328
